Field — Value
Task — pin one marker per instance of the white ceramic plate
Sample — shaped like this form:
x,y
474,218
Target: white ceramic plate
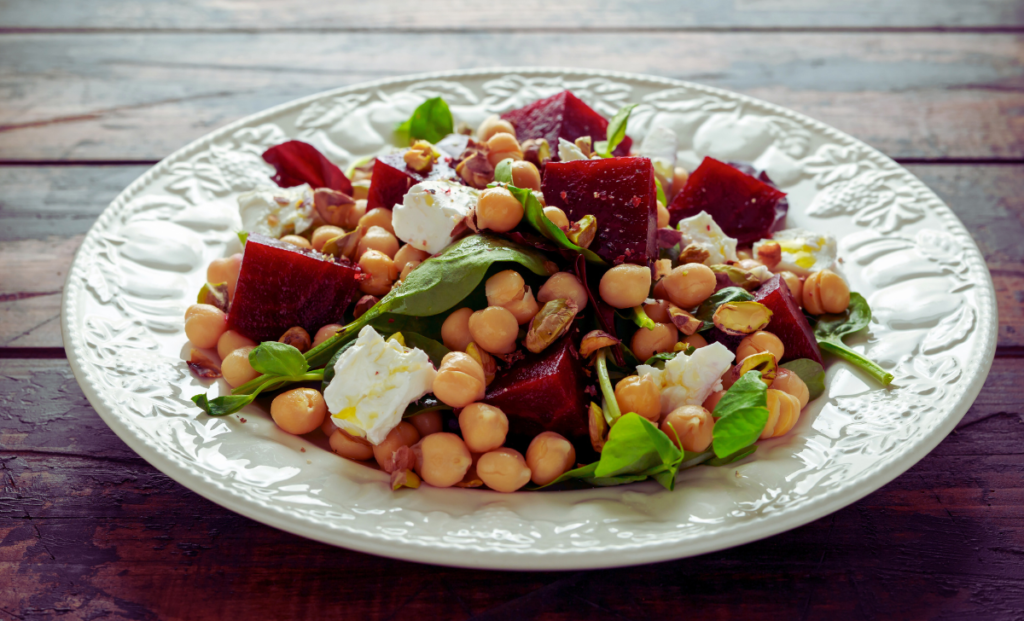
x,y
935,324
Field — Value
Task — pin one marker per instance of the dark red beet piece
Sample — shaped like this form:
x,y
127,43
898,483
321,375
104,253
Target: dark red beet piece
x,y
620,193
281,286
561,116
745,208
392,178
788,321
297,162
543,392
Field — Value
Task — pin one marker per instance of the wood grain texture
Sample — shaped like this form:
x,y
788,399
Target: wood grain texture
x,y
79,508
100,97
572,15
43,220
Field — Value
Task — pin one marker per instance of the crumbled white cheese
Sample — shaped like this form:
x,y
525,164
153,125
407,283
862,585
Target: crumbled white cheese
x,y
803,252
568,152
374,381
702,230
660,145
275,212
430,212
689,380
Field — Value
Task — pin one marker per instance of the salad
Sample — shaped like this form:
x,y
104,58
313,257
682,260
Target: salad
x,y
539,302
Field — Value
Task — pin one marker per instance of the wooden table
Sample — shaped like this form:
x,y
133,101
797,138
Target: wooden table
x,y
94,93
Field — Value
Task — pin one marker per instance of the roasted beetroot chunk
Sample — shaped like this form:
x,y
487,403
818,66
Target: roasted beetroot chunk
x,y
392,178
281,286
561,116
745,208
543,392
788,321
620,193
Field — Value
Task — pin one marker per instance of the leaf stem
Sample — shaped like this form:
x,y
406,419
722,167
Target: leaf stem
x,y
611,405
866,365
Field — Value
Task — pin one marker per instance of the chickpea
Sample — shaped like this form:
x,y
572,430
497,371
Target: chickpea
x,y
355,214
661,339
663,216
790,383
689,285
679,179
796,286
225,270
326,332
626,285
525,309
696,340
377,238
693,425
236,368
773,413
455,330
825,292
557,217
504,287
378,216
299,411
297,240
498,210
230,341
494,329
563,286
356,449
204,325
460,380
783,413
658,311
712,401
492,125
501,147
549,456
409,267
404,434
381,271
639,394
758,342
483,427
324,234
503,470
525,175
427,423
407,254
442,459
659,292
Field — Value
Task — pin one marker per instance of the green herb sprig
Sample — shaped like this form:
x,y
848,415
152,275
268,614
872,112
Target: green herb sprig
x,y
431,121
615,133
742,414
831,329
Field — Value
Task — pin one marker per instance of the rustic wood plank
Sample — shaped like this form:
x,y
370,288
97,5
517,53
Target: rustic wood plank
x,y
89,529
43,219
126,97
526,14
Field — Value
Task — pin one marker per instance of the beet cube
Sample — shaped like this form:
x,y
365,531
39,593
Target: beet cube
x,y
561,116
788,321
543,392
745,207
620,193
392,178
281,286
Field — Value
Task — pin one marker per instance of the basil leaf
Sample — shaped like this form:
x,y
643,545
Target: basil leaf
x,y
534,214
635,445
657,359
426,404
438,284
708,307
434,350
830,330
728,459
503,171
742,414
616,131
243,236
222,406
661,192
273,358
812,374
214,295
431,121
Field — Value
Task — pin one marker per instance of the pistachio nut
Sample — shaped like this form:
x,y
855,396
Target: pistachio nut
x,y
694,253
585,144
684,321
214,295
333,206
344,245
420,157
485,360
662,267
582,233
203,366
738,318
740,276
549,323
537,151
764,362
769,253
598,427
404,478
595,340
474,168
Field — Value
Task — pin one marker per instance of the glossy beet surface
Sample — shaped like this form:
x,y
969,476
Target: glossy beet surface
x,y
392,178
296,162
745,208
561,116
788,321
543,392
281,286
620,193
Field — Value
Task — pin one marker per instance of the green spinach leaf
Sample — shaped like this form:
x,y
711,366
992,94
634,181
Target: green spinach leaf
x,y
246,394
742,414
708,307
811,373
831,329
728,459
431,121
661,192
534,214
434,350
615,133
273,358
222,406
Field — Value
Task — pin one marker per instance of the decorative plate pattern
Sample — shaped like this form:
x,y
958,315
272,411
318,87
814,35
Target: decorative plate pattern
x,y
934,327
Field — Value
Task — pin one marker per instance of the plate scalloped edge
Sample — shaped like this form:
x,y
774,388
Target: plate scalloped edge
x,y
942,360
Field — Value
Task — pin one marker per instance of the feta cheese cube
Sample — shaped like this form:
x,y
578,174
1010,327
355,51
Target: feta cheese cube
x,y
689,380
276,212
702,230
430,212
